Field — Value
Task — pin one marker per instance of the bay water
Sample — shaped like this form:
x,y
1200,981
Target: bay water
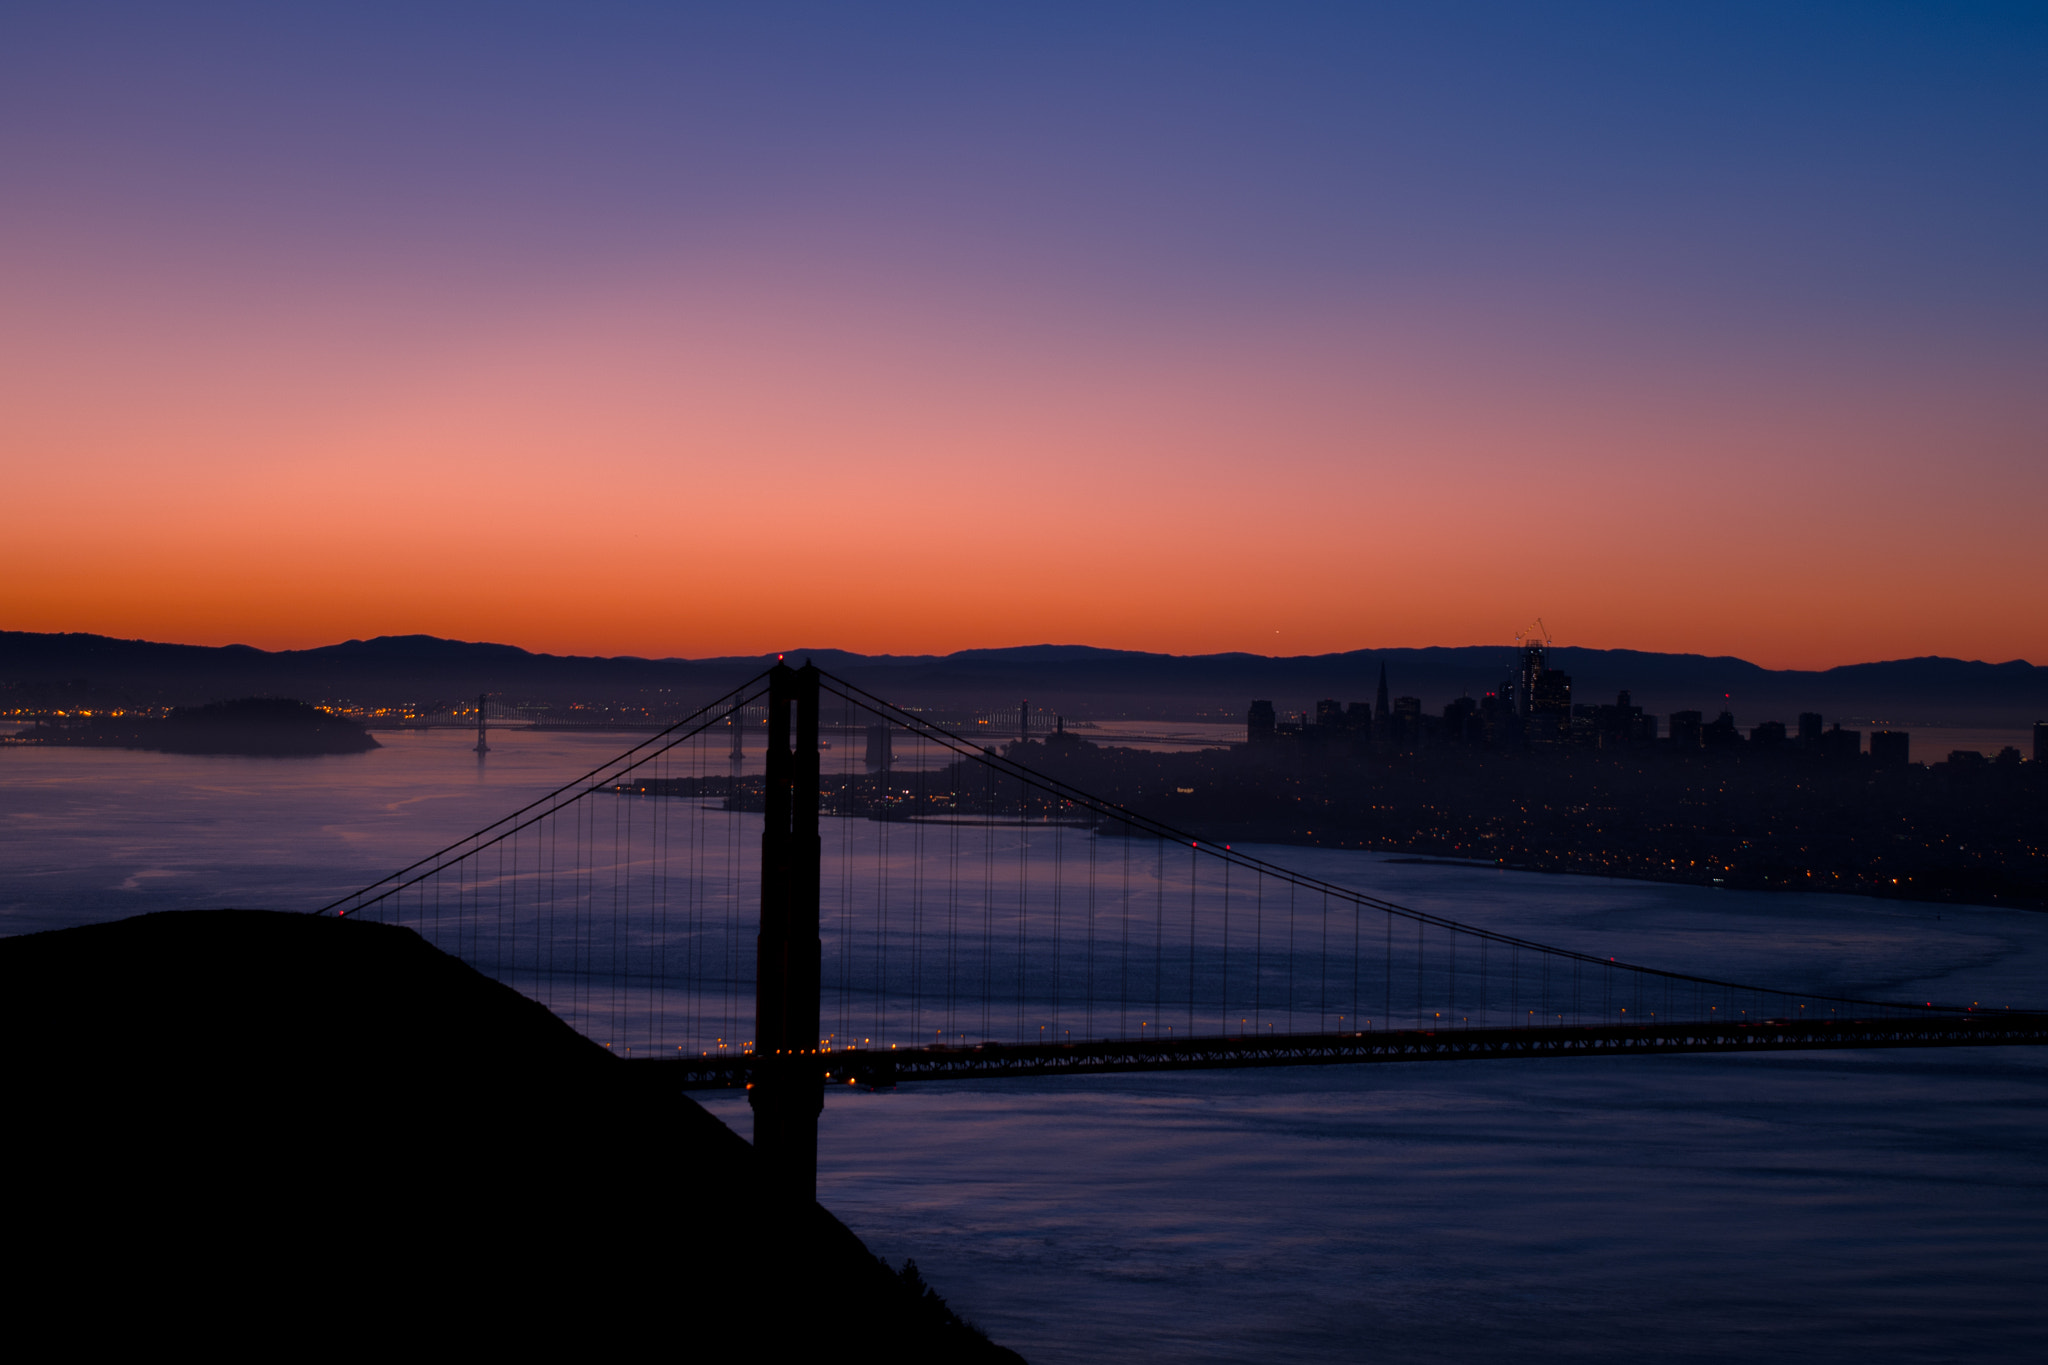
x,y
1856,1206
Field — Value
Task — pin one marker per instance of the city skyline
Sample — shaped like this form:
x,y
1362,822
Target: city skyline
x,y
1186,330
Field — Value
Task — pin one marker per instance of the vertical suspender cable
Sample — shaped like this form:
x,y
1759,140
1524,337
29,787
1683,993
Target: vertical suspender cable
x,y
1387,1007
988,903
1088,1016
1258,949
1421,990
1291,889
622,871
1323,972
917,910
887,784
843,955
1023,902
1059,848
1159,931
1223,984
1123,970
1357,911
1194,882
953,904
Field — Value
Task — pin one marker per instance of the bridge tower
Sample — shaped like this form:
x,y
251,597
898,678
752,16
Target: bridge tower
x,y
788,1090
481,746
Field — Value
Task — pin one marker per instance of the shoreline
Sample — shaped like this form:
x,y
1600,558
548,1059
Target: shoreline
x,y
1728,883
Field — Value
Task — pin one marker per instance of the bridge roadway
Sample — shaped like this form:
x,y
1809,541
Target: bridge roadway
x,y
988,1061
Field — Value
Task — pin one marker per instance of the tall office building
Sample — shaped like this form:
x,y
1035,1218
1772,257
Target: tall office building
x,y
1529,671
1890,748
2041,741
1841,745
1407,727
1258,723
1550,705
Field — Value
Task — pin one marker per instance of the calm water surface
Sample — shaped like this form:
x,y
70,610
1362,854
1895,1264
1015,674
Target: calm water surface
x,y
1845,1207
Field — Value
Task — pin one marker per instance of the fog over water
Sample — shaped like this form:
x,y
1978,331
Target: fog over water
x,y
1846,1206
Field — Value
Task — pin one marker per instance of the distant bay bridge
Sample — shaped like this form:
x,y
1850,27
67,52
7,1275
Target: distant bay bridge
x,y
997,725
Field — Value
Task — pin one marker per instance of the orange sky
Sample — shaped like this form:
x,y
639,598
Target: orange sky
x,y
241,401
681,468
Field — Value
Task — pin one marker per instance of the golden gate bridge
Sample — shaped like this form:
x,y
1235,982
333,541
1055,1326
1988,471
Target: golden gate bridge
x,y
950,911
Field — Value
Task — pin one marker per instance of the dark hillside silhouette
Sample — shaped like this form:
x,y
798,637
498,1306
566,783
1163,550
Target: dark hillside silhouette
x,y
271,1130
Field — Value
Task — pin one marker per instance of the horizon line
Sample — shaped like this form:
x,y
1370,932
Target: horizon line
x,y
1002,649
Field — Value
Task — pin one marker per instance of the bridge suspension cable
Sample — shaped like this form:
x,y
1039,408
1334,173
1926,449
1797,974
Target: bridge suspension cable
x,y
1225,854
597,779
971,903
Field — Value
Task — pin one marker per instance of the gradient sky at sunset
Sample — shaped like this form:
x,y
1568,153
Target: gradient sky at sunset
x,y
720,329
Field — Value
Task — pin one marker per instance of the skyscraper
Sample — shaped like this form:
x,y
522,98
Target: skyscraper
x,y
1528,667
1258,723
1549,711
1841,745
1531,654
881,754
1407,718
1890,748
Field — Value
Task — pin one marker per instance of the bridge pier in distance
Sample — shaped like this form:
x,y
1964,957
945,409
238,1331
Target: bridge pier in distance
x,y
788,1089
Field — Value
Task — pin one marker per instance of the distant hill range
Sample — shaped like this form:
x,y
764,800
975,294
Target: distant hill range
x,y
71,669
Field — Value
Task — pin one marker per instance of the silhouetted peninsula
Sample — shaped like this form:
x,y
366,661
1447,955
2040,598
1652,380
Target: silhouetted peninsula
x,y
267,726
251,1128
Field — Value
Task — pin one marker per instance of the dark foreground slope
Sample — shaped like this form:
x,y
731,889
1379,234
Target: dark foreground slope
x,y
242,1127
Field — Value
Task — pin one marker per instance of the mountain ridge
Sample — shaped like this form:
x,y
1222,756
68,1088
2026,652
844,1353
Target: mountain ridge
x,y
36,668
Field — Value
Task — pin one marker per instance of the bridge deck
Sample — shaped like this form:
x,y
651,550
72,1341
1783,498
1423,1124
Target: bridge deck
x,y
994,1061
